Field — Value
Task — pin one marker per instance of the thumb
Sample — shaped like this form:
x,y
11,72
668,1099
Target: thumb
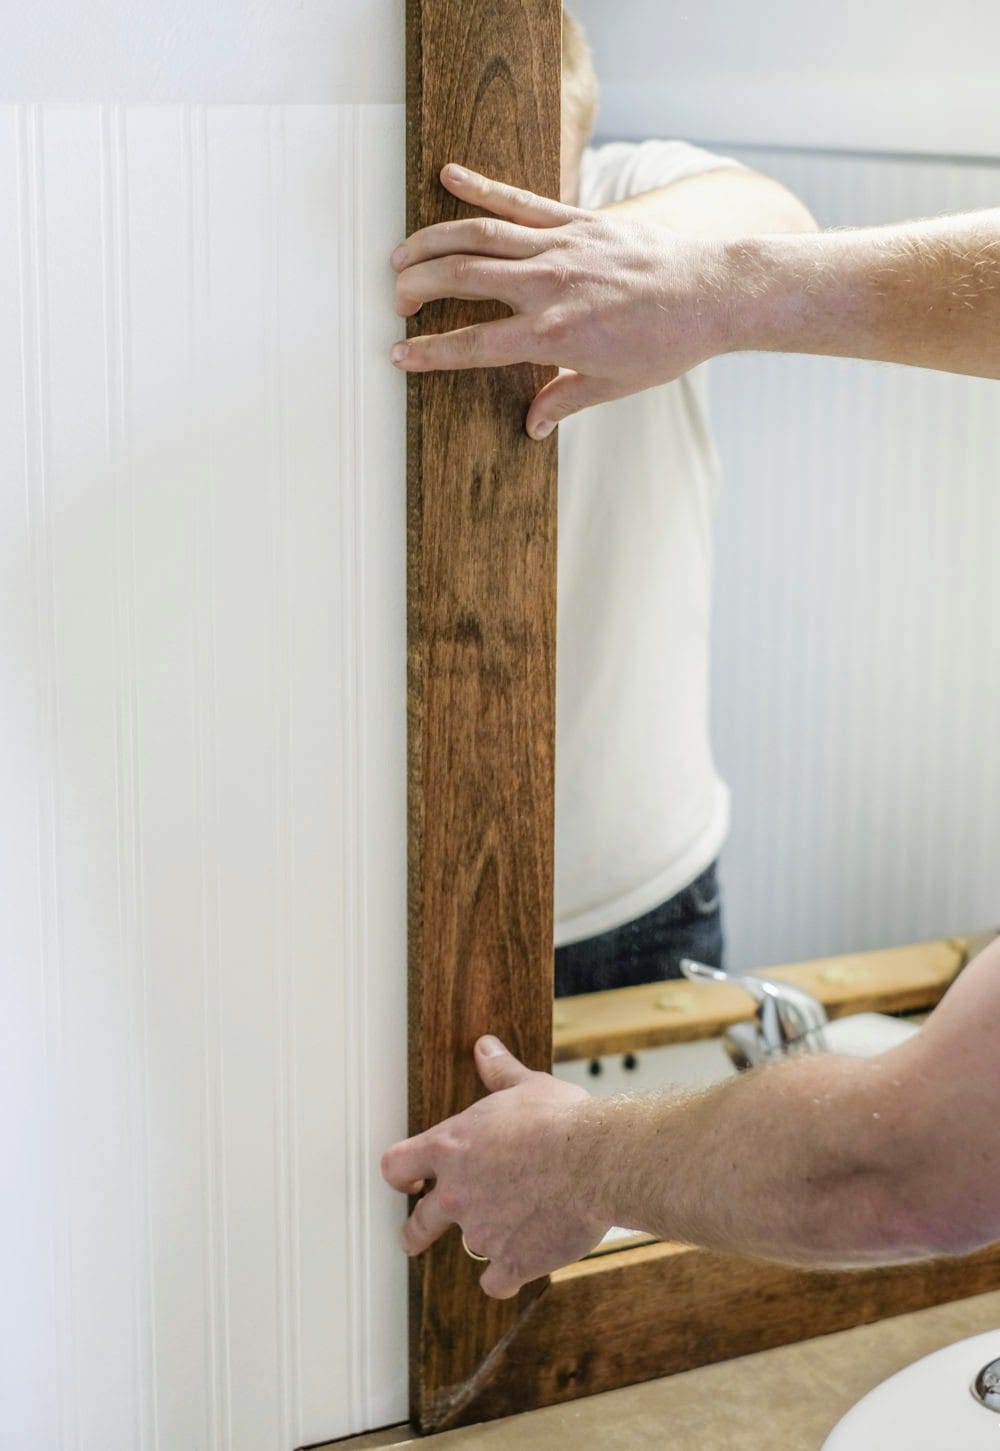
x,y
500,1284
564,395
498,1068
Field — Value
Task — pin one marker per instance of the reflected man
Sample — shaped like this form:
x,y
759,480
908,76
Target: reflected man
x,y
641,813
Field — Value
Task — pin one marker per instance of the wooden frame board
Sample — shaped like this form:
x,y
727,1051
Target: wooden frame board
x,y
483,89
616,1319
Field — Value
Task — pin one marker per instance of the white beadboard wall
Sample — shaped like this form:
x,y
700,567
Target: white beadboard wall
x,y
857,657
202,828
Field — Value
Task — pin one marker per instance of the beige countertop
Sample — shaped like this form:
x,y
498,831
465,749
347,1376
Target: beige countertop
x,y
787,1399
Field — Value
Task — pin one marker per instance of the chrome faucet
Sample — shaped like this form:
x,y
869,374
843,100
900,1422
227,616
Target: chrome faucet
x,y
788,1020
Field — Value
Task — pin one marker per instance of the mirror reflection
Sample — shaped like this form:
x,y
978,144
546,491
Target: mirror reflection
x,y
776,669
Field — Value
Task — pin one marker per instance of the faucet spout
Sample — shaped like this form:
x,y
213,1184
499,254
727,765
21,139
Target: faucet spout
x,y
788,1019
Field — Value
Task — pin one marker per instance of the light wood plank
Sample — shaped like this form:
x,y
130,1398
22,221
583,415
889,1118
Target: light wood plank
x,y
893,980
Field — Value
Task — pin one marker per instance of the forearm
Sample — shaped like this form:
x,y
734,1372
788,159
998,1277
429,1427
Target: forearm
x,y
925,294
811,1162
820,1161
619,305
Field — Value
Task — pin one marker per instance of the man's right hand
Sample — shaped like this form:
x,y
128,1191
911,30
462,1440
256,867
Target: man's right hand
x,y
623,305
512,1171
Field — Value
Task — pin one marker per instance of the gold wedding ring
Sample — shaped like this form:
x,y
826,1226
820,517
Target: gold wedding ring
x,y
482,1259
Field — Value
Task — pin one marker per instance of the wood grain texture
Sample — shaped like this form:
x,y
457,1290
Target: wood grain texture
x,y
483,90
894,980
619,1319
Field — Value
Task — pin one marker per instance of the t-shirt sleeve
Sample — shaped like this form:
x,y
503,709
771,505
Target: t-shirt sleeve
x,y
625,168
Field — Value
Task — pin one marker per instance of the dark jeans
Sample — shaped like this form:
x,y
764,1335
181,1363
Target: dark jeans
x,y
650,948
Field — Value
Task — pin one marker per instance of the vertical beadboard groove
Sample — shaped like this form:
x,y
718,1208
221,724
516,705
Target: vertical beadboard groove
x,y
217,1006
206,692
197,285
30,470
50,907
114,207
146,1303
283,869
361,1206
193,590
194,174
352,848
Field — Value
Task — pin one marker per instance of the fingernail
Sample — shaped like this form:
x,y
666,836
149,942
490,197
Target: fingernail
x,y
490,1046
400,352
399,256
457,173
543,429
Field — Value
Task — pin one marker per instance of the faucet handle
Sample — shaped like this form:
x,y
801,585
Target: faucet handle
x,y
789,1020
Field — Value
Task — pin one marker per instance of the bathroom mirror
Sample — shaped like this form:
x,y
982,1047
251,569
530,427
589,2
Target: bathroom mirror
x,y
852,658
483,84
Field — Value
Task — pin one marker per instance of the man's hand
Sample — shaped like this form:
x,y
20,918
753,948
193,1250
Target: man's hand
x,y
506,1172
625,305
618,302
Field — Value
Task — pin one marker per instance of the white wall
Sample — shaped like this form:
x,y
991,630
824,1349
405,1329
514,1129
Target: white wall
x,y
229,50
894,75
202,684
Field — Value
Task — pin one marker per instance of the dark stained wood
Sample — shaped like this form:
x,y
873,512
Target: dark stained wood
x,y
483,90
659,1309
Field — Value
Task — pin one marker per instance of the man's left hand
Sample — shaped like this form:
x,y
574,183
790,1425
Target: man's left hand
x,y
509,1172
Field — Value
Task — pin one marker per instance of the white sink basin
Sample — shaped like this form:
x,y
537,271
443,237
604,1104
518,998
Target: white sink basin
x,y
929,1406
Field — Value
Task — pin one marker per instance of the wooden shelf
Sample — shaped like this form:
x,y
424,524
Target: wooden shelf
x,y
892,980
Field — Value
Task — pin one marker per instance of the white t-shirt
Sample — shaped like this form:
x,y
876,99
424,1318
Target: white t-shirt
x,y
640,810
